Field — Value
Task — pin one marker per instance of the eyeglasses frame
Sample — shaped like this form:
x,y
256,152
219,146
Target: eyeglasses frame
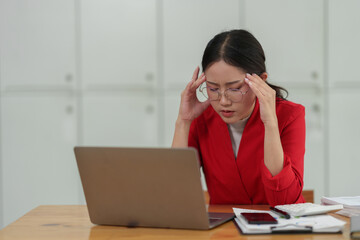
x,y
201,89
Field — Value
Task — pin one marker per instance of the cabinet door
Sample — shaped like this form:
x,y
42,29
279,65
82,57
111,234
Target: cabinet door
x,y
38,133
171,106
188,27
37,44
344,132
291,33
118,43
120,119
314,162
344,38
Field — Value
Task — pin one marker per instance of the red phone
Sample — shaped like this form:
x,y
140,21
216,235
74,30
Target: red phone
x,y
259,218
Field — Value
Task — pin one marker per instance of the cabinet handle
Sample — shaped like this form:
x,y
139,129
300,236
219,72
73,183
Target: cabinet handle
x,y
316,108
315,118
315,75
149,109
68,77
149,77
69,109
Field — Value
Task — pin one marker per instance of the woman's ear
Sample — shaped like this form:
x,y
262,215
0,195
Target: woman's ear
x,y
264,76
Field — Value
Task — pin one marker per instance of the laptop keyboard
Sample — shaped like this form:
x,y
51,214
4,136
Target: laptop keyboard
x,y
212,220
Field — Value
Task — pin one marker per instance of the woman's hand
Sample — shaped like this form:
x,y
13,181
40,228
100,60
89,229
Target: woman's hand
x,y
273,151
190,107
267,99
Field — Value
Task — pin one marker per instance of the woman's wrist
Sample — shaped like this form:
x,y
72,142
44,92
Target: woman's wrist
x,y
181,135
271,124
180,122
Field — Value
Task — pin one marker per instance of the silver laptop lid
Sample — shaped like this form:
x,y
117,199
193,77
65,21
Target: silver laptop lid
x,y
149,187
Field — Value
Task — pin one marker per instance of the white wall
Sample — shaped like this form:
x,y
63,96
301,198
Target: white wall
x,y
343,98
110,72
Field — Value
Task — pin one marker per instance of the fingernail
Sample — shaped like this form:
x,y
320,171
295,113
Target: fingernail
x,y
247,80
248,74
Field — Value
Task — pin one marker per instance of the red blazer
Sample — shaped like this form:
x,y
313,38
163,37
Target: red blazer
x,y
246,179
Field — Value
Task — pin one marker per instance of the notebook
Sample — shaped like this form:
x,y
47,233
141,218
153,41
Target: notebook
x,y
312,224
145,187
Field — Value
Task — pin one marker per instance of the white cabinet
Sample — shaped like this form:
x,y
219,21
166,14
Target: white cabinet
x,y
171,106
37,44
119,55
187,27
120,119
344,39
344,142
38,133
38,117
291,33
314,161
118,43
344,96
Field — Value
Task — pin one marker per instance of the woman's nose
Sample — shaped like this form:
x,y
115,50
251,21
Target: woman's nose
x,y
224,100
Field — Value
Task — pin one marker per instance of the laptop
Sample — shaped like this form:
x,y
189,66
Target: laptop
x,y
145,187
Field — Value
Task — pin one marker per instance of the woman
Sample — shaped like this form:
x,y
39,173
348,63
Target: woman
x,y
251,141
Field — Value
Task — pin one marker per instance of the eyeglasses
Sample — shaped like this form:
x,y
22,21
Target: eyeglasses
x,y
233,94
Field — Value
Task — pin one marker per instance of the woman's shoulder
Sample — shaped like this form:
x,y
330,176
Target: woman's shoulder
x,y
288,110
288,105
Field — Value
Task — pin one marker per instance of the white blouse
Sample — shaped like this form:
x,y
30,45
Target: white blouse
x,y
236,130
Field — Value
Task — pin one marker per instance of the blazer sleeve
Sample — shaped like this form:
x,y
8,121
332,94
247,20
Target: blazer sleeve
x,y
286,187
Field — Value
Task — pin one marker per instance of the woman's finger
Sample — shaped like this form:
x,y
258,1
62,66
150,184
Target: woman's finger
x,y
259,84
255,89
201,80
198,82
258,87
257,80
195,74
193,79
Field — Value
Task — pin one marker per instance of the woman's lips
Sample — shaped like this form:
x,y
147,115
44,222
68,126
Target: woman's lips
x,y
227,113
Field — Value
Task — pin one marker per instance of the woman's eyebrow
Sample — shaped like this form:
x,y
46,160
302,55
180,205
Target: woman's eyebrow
x,y
228,83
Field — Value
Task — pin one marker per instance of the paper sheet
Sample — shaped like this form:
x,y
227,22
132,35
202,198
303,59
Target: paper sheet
x,y
346,201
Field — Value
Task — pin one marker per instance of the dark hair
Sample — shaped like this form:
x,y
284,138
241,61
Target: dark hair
x,y
239,48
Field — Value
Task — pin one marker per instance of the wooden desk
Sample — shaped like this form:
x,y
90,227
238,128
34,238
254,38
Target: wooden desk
x,y
72,222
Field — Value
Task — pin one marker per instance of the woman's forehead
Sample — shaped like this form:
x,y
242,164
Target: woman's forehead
x,y
223,73
225,83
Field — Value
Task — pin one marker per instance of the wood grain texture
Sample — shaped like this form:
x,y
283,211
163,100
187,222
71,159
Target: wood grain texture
x,y
72,222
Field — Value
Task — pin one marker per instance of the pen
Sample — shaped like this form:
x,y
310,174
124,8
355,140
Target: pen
x,y
281,213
